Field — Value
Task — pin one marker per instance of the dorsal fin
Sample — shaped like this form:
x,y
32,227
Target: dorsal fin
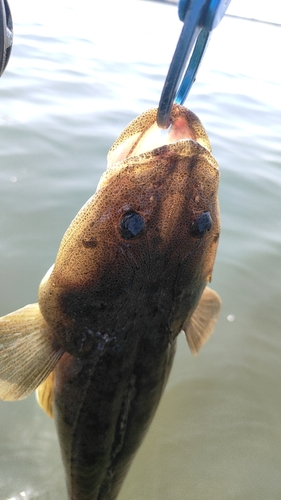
x,y
27,352
202,322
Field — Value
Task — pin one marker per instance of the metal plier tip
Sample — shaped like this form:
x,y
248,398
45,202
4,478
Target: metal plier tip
x,y
200,17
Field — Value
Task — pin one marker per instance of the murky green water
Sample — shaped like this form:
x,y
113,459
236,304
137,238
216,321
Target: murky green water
x,y
74,81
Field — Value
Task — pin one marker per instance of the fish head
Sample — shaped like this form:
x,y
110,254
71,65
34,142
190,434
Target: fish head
x,y
147,239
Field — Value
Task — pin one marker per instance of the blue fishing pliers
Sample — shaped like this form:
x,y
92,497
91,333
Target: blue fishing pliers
x,y
200,17
6,35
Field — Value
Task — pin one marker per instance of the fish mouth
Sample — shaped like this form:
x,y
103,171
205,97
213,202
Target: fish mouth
x,y
143,134
155,137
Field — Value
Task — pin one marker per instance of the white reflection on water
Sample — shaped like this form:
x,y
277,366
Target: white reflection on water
x,y
230,317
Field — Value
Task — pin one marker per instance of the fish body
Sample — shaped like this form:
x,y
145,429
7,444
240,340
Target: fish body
x,y
130,274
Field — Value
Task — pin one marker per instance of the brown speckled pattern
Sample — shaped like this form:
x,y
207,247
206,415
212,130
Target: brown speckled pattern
x,y
116,305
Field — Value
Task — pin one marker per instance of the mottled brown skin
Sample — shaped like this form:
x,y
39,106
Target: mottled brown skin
x,y
121,303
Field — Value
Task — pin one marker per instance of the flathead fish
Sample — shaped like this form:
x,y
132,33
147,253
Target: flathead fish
x,y
130,274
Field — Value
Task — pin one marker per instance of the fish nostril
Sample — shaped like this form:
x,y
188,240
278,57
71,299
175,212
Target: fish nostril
x,y
132,225
201,225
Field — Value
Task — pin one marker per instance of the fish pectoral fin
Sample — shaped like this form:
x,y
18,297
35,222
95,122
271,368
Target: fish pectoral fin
x,y
27,352
44,394
202,322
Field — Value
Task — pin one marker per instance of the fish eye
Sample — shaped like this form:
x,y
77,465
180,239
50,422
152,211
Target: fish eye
x,y
201,225
132,225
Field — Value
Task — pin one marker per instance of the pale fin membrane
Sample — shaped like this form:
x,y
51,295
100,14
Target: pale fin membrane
x,y
202,322
27,355
44,395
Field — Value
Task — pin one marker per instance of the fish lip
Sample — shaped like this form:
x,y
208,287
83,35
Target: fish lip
x,y
143,134
177,148
185,147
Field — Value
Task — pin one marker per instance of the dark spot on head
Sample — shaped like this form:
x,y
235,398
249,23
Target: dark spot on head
x,y
192,163
201,225
89,242
132,225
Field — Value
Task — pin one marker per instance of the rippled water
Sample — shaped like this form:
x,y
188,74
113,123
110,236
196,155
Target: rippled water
x,y
74,81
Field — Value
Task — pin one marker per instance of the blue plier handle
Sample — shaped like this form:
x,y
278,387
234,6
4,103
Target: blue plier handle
x,y
6,34
200,17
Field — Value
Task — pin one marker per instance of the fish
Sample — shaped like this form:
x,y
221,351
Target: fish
x,y
131,273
